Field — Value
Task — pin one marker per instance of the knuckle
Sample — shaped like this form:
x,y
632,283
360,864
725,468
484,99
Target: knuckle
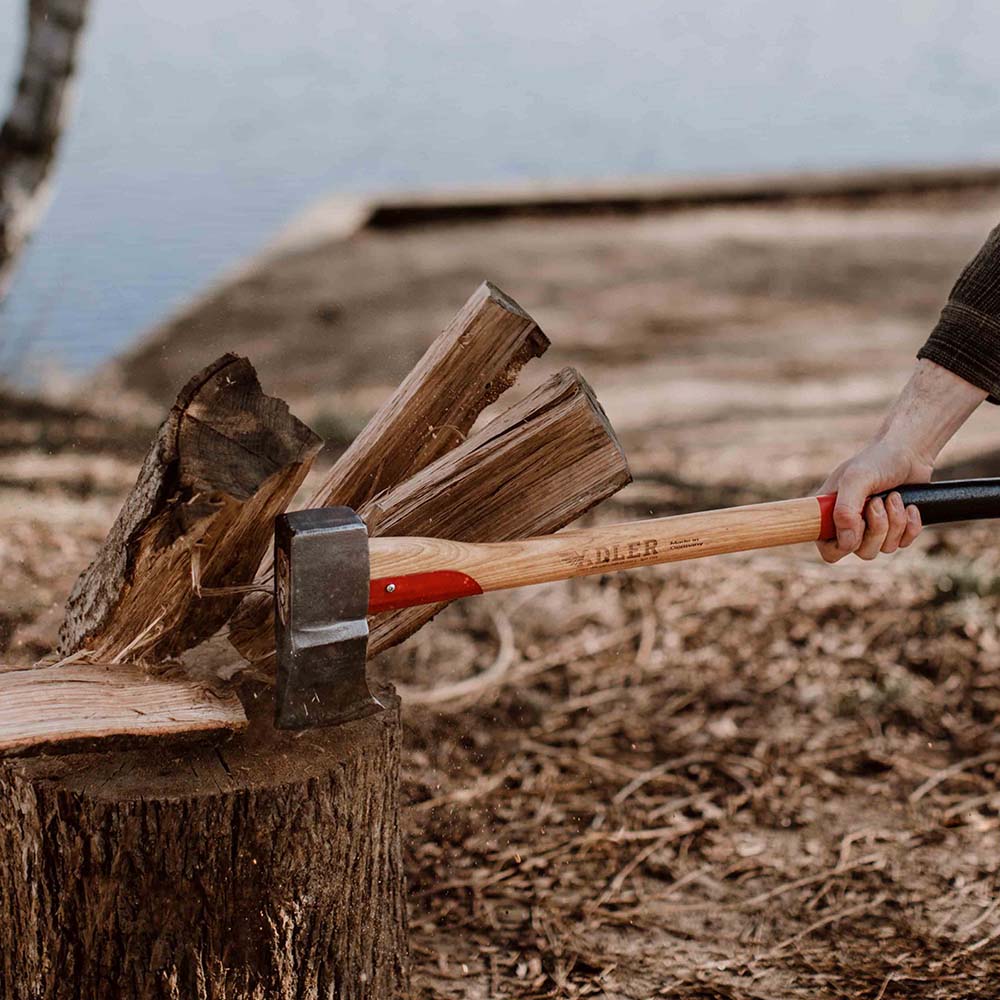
x,y
828,551
854,478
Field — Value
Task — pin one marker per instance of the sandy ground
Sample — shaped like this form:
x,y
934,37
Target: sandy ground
x,y
750,777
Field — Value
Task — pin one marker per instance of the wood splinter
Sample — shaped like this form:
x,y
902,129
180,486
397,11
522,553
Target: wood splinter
x,y
70,706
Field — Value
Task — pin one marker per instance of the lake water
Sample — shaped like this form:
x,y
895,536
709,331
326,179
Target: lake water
x,y
201,126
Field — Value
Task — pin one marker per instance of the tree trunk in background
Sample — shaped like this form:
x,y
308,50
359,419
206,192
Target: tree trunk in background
x,y
30,135
266,869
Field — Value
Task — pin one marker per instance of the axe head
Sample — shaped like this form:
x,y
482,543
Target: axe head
x,y
321,591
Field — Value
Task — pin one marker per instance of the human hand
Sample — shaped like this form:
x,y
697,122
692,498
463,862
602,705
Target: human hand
x,y
867,527
931,407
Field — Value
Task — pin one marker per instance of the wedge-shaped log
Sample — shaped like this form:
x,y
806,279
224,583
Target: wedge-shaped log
x,y
535,468
470,365
71,706
475,360
227,459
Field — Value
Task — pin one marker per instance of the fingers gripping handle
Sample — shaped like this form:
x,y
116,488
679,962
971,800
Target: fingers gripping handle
x,y
938,503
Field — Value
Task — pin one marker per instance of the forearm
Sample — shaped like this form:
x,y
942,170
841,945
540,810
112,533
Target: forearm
x,y
958,368
930,409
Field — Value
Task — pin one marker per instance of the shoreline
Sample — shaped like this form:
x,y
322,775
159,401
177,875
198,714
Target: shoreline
x,y
343,216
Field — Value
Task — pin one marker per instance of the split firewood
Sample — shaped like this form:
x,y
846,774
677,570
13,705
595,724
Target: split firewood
x,y
471,364
191,534
532,470
75,704
475,360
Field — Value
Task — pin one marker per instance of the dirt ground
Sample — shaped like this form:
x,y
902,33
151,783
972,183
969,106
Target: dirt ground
x,y
747,777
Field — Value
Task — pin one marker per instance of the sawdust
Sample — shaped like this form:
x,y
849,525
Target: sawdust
x,y
739,779
751,777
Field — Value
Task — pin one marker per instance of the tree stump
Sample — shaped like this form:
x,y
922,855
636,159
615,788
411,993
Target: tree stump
x,y
264,869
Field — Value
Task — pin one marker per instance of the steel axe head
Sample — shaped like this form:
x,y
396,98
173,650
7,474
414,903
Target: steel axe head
x,y
321,591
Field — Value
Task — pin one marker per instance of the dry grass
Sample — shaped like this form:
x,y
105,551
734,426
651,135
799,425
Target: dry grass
x,y
751,777
742,778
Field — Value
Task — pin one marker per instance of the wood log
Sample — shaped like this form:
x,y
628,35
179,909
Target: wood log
x,y
266,868
474,361
535,468
227,459
77,704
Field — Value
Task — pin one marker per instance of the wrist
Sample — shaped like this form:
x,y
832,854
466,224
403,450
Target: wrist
x,y
930,409
910,438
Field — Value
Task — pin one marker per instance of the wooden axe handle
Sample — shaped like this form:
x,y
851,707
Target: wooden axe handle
x,y
404,571
411,571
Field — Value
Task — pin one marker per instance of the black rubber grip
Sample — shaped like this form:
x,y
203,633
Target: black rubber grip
x,y
958,500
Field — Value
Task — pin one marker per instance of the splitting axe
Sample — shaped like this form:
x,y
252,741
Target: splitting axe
x,y
329,575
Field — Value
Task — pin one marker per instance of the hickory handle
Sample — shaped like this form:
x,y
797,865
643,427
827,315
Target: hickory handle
x,y
412,571
408,571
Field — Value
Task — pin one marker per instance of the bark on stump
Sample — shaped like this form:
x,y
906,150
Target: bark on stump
x,y
269,868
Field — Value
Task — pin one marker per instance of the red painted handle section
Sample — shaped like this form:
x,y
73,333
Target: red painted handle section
x,y
412,589
827,531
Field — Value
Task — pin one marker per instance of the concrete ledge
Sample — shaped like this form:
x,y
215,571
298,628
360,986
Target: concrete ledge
x,y
340,217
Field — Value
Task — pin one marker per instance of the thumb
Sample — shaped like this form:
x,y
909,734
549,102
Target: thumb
x,y
851,497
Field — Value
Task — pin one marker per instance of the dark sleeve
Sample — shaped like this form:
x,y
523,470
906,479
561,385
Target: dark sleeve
x,y
966,339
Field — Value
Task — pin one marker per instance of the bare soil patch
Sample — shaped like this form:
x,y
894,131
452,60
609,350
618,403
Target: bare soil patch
x,y
749,777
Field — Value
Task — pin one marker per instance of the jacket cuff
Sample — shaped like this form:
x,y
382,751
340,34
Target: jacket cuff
x,y
967,343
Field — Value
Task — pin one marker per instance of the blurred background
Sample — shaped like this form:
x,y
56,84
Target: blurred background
x,y
200,127
802,761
